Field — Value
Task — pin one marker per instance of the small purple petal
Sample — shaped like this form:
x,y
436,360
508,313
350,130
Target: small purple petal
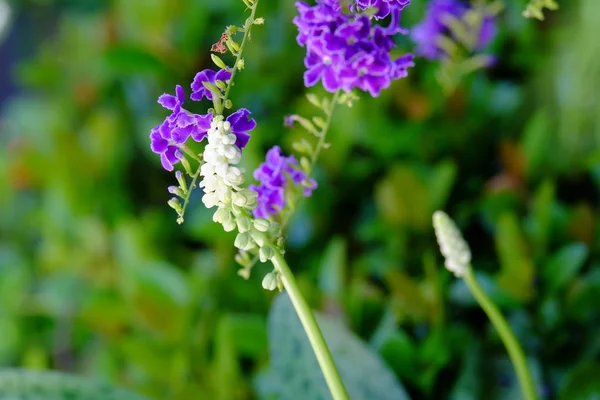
x,y
240,123
168,101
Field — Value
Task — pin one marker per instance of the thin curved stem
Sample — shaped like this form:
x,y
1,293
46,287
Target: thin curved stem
x,y
247,30
188,196
315,156
322,136
330,372
508,338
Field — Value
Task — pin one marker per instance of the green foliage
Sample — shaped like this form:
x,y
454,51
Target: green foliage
x,y
535,8
56,386
294,371
97,278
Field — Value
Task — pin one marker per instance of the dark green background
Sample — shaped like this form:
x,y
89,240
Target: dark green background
x,y
98,279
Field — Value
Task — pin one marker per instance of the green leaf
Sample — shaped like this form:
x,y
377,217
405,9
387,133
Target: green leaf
x,y
582,383
460,293
541,216
294,372
468,386
441,183
132,60
402,198
33,385
517,270
333,266
564,265
535,143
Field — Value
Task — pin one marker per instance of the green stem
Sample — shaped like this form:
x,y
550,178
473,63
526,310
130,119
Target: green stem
x,y
235,69
315,156
188,196
332,376
508,338
329,112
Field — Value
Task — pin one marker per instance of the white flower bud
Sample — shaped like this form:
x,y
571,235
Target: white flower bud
x,y
261,224
239,199
221,215
243,223
265,253
269,282
452,245
209,200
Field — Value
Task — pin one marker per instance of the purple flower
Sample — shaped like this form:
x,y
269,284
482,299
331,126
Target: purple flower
x,y
176,129
199,91
288,121
427,33
240,126
347,51
384,7
169,154
274,175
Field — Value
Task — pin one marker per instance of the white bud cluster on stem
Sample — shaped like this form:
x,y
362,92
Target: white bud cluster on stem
x,y
222,183
452,245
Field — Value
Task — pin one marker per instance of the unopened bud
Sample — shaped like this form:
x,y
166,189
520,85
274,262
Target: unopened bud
x,y
269,282
265,253
261,224
452,244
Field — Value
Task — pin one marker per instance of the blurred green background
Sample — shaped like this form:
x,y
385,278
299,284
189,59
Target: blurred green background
x,y
96,278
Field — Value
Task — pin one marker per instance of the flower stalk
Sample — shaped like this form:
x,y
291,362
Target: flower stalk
x,y
309,323
515,352
456,251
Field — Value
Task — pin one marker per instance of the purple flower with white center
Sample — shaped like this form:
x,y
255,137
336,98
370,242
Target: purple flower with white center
x,y
347,51
427,33
176,129
240,126
199,91
274,175
384,7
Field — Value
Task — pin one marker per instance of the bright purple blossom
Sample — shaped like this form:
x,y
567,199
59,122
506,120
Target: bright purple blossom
x,y
199,91
176,129
274,175
347,51
384,7
240,126
427,33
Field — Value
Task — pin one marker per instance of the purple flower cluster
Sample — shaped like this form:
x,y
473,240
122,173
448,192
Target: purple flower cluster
x,y
273,175
167,138
384,7
347,50
426,34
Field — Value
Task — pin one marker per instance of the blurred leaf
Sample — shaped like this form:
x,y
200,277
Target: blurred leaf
x,y
403,199
333,269
517,269
294,370
32,385
469,383
399,352
505,384
460,293
249,334
225,369
158,292
540,220
131,60
441,182
581,383
536,144
563,266
407,295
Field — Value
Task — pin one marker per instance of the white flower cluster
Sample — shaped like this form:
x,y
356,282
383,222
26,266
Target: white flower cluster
x,y
221,176
452,245
222,181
